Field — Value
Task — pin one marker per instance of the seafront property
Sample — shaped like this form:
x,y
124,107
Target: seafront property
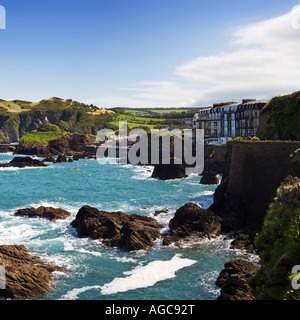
x,y
224,121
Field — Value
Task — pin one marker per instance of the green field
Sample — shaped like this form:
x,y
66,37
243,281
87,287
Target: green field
x,y
41,137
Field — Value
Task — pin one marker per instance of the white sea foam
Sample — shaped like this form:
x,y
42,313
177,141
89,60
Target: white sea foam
x,y
73,294
139,277
147,276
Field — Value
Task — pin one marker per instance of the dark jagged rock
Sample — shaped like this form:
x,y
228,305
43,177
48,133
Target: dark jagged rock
x,y
233,280
27,276
192,223
43,212
209,177
169,171
131,232
158,212
49,159
61,158
243,242
22,162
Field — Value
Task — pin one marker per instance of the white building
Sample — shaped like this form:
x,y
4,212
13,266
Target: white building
x,y
225,121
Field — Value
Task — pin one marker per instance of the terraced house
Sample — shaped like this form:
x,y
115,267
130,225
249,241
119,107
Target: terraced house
x,y
224,121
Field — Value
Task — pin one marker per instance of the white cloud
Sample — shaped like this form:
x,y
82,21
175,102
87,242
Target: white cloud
x,y
264,62
150,94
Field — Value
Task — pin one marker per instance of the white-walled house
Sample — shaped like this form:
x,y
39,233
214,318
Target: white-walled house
x,y
225,121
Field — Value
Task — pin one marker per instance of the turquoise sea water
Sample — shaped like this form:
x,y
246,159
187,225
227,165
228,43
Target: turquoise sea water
x,y
97,272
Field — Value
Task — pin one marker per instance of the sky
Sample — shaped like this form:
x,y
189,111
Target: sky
x,y
149,53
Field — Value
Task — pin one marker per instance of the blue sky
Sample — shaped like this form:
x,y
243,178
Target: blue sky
x,y
142,53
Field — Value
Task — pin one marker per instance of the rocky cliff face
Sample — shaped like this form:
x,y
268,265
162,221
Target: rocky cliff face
x,y
252,174
27,276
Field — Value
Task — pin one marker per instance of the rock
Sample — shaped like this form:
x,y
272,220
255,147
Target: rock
x,y
243,242
27,276
49,159
43,212
131,232
209,177
158,212
22,162
192,222
61,158
295,160
169,171
279,272
233,280
33,149
139,233
7,148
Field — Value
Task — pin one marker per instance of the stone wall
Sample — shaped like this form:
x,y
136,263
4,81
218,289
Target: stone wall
x,y
256,170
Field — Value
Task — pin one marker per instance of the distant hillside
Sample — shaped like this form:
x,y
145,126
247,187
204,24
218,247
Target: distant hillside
x,y
19,117
280,118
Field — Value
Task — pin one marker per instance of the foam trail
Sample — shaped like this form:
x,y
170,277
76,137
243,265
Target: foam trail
x,y
73,294
147,276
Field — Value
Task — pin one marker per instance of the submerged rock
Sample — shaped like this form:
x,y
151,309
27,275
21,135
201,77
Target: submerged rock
x,y
27,276
131,232
192,223
22,162
43,212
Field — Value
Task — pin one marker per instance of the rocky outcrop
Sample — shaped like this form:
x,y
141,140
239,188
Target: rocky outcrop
x,y
26,276
22,162
131,232
252,173
192,223
69,145
233,280
214,158
244,242
169,171
209,177
43,212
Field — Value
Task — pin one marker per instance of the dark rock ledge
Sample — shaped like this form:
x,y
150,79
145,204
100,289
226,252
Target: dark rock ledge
x,y
43,212
26,276
192,223
22,162
130,232
233,280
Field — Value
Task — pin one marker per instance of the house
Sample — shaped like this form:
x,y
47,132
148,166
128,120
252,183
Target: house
x,y
224,121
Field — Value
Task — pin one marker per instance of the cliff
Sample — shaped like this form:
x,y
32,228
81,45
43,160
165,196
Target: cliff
x,y
280,118
279,244
253,172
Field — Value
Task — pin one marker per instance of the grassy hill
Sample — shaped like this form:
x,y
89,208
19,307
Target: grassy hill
x,y
18,117
23,119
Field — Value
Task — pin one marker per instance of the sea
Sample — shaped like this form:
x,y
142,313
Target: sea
x,y
93,270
